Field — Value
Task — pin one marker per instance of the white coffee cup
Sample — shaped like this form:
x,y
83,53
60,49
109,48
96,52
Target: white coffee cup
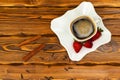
x,y
83,28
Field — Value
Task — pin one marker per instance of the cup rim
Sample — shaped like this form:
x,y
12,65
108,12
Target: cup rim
x,y
83,17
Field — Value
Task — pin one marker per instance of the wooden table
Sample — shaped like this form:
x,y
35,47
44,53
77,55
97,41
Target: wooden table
x,y
22,20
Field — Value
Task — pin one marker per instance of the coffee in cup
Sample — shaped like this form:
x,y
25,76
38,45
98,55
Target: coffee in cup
x,y
83,28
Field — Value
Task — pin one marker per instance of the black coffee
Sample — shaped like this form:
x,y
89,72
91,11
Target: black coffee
x,y
82,28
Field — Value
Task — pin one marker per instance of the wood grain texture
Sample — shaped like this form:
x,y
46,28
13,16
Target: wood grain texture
x,y
60,72
14,21
22,20
54,53
61,3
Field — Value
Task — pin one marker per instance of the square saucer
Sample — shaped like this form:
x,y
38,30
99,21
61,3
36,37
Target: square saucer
x,y
61,27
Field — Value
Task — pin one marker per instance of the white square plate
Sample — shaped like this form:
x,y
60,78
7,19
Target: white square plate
x,y
61,27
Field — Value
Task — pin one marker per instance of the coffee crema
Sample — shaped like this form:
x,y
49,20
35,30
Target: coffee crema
x,y
83,28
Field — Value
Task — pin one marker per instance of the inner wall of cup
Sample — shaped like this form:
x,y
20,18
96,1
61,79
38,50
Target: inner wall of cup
x,y
87,38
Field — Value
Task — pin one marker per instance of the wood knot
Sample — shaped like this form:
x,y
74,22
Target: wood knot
x,y
112,46
11,47
48,78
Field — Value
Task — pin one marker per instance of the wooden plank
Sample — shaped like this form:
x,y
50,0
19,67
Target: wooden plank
x,y
54,53
105,3
14,21
67,72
